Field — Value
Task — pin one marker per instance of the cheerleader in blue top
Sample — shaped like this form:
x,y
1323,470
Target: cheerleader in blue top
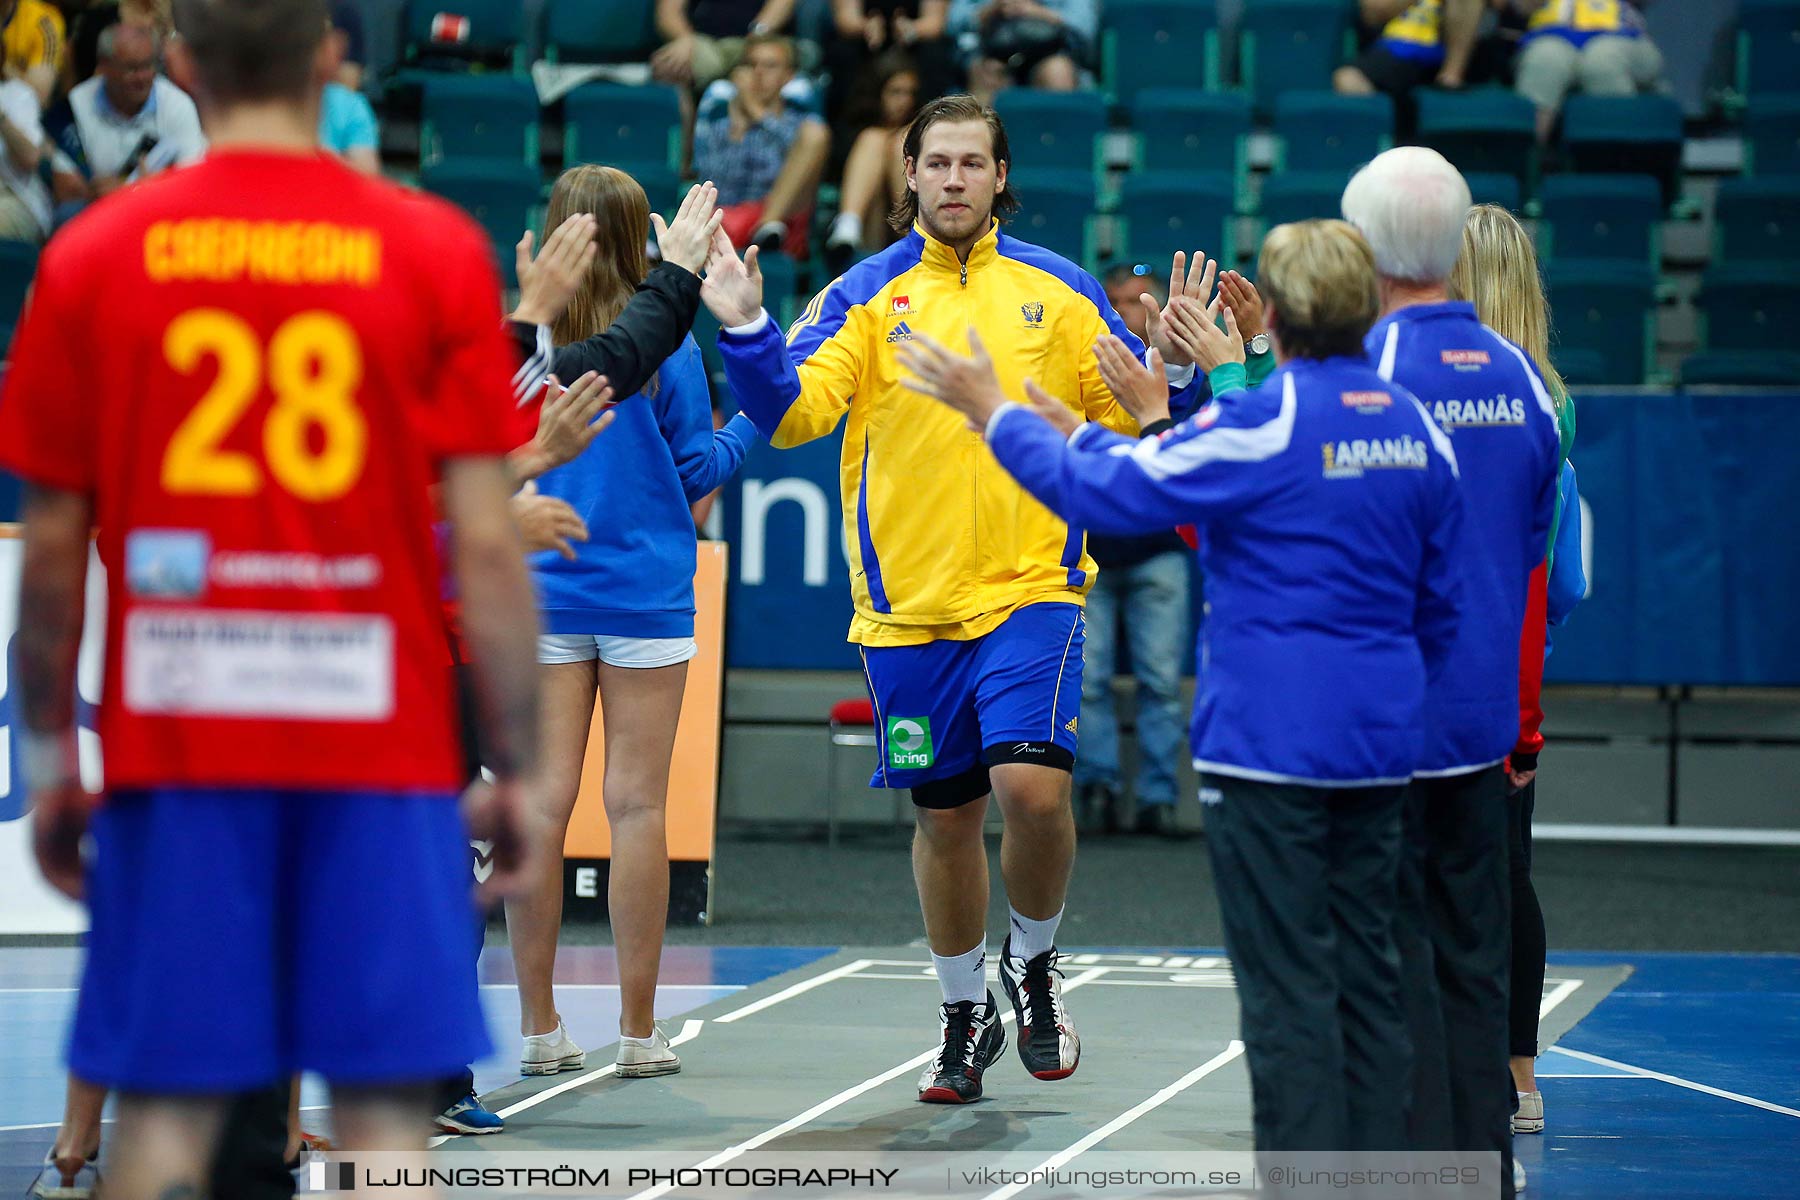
x,y
618,619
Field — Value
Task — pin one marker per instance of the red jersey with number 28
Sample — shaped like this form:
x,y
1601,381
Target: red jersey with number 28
x,y
255,366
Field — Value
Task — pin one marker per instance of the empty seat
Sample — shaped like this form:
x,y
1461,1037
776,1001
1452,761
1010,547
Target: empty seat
x,y
1056,209
18,263
1772,135
1052,129
489,32
1749,307
1607,308
1485,129
1181,129
586,31
1323,131
1496,187
1165,211
1768,46
1758,219
1741,368
1632,135
1302,196
1150,44
479,116
1580,368
1603,216
500,196
1291,45
614,124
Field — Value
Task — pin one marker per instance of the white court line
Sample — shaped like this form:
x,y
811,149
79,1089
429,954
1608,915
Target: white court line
x,y
848,1094
1678,1081
788,993
1562,991
689,1031
486,987
1063,1157
1222,982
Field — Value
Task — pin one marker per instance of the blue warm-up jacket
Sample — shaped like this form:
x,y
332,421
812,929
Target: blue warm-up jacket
x,y
1483,392
634,576
1329,516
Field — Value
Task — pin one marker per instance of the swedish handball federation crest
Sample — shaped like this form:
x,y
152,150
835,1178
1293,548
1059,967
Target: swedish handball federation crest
x,y
1034,315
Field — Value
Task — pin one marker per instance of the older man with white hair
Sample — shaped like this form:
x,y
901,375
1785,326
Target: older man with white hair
x,y
1482,390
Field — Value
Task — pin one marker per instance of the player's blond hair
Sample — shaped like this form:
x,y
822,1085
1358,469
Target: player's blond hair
x,y
622,212
1319,280
1498,273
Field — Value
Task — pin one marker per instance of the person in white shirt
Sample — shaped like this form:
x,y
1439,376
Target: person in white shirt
x,y
24,200
125,124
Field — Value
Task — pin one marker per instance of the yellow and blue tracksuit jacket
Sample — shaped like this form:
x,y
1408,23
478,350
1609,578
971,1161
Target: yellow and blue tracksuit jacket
x,y
1579,20
944,544
1417,33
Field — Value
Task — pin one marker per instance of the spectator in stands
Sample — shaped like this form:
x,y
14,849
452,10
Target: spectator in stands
x,y
24,200
1037,43
882,106
1412,43
866,32
33,36
347,125
124,125
765,155
347,19
1143,580
1595,47
706,39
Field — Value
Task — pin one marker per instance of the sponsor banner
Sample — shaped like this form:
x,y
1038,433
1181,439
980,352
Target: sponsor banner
x,y
1688,503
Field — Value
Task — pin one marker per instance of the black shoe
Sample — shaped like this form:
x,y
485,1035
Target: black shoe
x,y
839,257
1156,820
1047,1043
973,1040
1097,810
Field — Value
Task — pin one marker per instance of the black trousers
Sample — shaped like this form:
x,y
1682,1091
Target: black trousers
x,y
1307,887
1455,956
1528,939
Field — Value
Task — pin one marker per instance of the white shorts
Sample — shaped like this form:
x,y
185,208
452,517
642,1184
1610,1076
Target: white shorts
x,y
641,653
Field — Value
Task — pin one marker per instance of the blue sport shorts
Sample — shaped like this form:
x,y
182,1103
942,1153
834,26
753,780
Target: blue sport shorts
x,y
946,711
241,935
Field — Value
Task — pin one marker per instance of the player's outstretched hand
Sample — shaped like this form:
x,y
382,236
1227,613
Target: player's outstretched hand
x,y
502,814
1198,332
966,383
59,820
1062,418
571,418
733,290
550,281
1244,302
1142,390
1195,283
687,240
547,522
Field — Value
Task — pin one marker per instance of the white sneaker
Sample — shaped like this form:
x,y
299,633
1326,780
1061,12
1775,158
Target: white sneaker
x,y
1530,1117
50,1185
647,1057
548,1053
1518,1176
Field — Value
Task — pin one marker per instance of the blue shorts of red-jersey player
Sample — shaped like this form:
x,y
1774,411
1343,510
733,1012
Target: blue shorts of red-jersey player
x,y
947,711
241,935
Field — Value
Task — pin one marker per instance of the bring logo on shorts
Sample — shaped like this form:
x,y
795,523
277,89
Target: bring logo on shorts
x,y
909,743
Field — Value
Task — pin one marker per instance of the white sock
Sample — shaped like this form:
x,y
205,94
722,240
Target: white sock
x,y
1031,938
963,976
774,229
846,230
643,1041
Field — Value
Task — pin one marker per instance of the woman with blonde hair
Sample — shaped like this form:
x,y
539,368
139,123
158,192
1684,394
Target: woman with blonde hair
x,y
618,619
1498,273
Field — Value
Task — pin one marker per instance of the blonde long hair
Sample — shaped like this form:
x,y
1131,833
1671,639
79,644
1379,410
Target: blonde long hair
x,y
1498,272
623,214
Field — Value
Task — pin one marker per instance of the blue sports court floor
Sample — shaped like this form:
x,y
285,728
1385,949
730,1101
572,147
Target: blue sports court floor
x,y
1681,1081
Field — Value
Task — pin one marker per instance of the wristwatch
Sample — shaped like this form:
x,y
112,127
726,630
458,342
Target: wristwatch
x,y
1258,344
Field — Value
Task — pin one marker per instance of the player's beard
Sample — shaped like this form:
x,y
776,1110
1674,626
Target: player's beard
x,y
959,225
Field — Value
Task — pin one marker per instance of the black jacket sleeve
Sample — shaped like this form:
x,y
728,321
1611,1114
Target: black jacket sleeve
x,y
649,330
